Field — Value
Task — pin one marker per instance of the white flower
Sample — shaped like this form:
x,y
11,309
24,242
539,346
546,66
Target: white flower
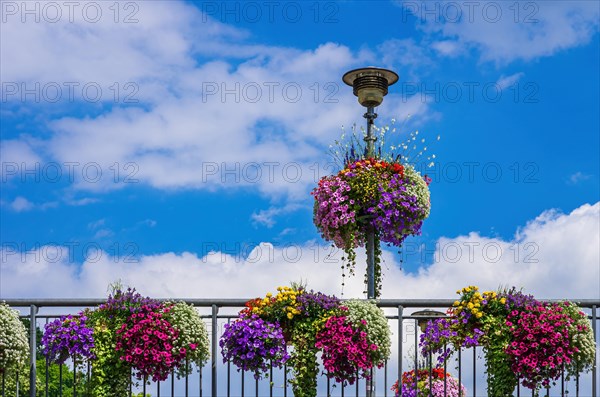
x,y
378,330
14,344
192,332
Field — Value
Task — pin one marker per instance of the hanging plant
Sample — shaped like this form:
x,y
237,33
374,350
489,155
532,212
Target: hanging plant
x,y
352,339
14,343
382,192
524,340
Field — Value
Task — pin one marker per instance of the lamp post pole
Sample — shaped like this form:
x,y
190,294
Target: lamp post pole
x,y
370,85
370,152
371,293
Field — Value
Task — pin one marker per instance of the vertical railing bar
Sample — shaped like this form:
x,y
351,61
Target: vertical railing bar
x,y
3,384
256,387
74,376
400,339
157,389
271,379
145,379
518,387
200,380
474,371
60,380
343,388
562,383
33,346
130,383
48,368
17,381
285,382
370,374
385,378
173,383
243,381
594,368
228,372
460,366
577,385
446,378
215,311
430,359
416,355
328,386
187,369
87,377
47,374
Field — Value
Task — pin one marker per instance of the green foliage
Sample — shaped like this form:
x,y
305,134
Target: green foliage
x,y
303,360
54,381
110,376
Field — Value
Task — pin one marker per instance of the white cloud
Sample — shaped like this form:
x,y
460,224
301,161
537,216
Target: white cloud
x,y
18,158
554,256
265,111
447,48
578,177
506,81
506,31
21,204
267,217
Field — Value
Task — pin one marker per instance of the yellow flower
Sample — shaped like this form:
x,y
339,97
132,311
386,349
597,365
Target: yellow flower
x,y
479,314
290,316
503,300
456,303
470,305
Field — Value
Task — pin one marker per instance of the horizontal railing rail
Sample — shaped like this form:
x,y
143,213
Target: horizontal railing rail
x,y
217,379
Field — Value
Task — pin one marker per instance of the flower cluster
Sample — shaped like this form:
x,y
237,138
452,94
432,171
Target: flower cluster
x,y
368,317
351,339
145,342
540,343
582,339
345,349
192,336
130,332
123,303
253,344
522,338
370,193
68,337
14,344
429,383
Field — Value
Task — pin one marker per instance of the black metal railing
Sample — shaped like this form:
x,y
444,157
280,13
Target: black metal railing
x,y
218,379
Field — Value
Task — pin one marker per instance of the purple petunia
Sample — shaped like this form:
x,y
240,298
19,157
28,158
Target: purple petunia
x,y
68,336
253,344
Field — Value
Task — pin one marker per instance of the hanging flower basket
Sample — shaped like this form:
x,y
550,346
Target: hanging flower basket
x,y
524,340
434,382
14,343
351,338
389,197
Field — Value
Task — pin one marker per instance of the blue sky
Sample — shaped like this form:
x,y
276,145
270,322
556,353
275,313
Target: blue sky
x,y
174,144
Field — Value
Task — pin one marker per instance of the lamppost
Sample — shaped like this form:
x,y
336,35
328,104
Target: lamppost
x,y
370,85
423,317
